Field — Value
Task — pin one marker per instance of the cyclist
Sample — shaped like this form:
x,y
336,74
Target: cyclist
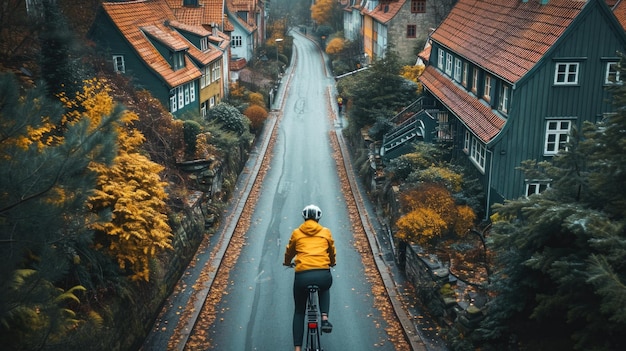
x,y
313,248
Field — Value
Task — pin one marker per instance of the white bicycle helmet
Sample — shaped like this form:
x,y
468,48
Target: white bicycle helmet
x,y
312,212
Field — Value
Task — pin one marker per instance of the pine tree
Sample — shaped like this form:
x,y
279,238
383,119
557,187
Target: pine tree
x,y
562,254
44,185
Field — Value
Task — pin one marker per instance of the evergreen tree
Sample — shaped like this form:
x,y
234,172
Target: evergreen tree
x,y
58,58
44,185
562,254
378,94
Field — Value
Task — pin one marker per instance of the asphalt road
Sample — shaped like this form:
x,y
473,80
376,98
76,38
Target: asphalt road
x,y
256,312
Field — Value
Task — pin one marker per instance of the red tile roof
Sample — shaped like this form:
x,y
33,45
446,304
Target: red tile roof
x,y
385,11
249,6
141,19
477,116
506,37
619,11
208,11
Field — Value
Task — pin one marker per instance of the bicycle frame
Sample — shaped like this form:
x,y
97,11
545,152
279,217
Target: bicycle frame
x,y
313,319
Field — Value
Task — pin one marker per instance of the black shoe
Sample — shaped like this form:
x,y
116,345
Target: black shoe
x,y
327,327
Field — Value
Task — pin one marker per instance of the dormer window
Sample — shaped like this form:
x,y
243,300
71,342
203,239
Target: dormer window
x,y
204,44
178,60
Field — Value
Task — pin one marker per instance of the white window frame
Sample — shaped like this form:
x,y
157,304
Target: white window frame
x,y
457,69
449,63
212,101
216,71
566,73
236,41
119,66
478,153
192,92
611,75
557,136
181,97
503,105
465,74
173,102
204,43
440,59
203,108
534,186
475,81
466,141
487,87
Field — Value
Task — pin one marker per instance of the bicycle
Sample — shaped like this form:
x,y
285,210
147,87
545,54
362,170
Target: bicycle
x,y
313,319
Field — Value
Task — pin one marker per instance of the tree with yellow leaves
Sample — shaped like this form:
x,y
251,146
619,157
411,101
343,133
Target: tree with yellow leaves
x,y
45,242
431,214
132,192
335,46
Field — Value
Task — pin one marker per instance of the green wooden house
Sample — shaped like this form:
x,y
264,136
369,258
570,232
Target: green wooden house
x,y
182,65
508,80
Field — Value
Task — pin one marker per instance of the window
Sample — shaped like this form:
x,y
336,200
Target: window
x,y
475,81
203,108
418,6
566,73
478,153
206,77
216,71
204,44
186,94
212,101
557,136
475,149
411,31
536,186
487,87
465,74
181,97
118,64
192,92
448,64
457,69
236,41
612,73
503,106
173,103
178,60
440,59
444,131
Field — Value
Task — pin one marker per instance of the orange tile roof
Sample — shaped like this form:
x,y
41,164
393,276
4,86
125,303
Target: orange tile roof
x,y
477,116
138,20
385,11
619,10
506,37
249,6
208,11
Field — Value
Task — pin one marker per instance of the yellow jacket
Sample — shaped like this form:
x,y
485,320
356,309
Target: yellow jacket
x,y
312,246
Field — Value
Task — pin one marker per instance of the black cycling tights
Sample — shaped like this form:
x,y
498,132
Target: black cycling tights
x,y
323,279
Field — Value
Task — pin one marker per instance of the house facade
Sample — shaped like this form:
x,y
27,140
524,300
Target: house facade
x,y
246,27
183,65
508,81
405,24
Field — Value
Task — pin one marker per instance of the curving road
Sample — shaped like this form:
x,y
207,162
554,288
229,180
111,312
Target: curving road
x,y
256,312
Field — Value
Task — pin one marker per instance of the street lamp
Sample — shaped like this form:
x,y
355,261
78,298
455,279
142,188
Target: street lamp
x,y
277,40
